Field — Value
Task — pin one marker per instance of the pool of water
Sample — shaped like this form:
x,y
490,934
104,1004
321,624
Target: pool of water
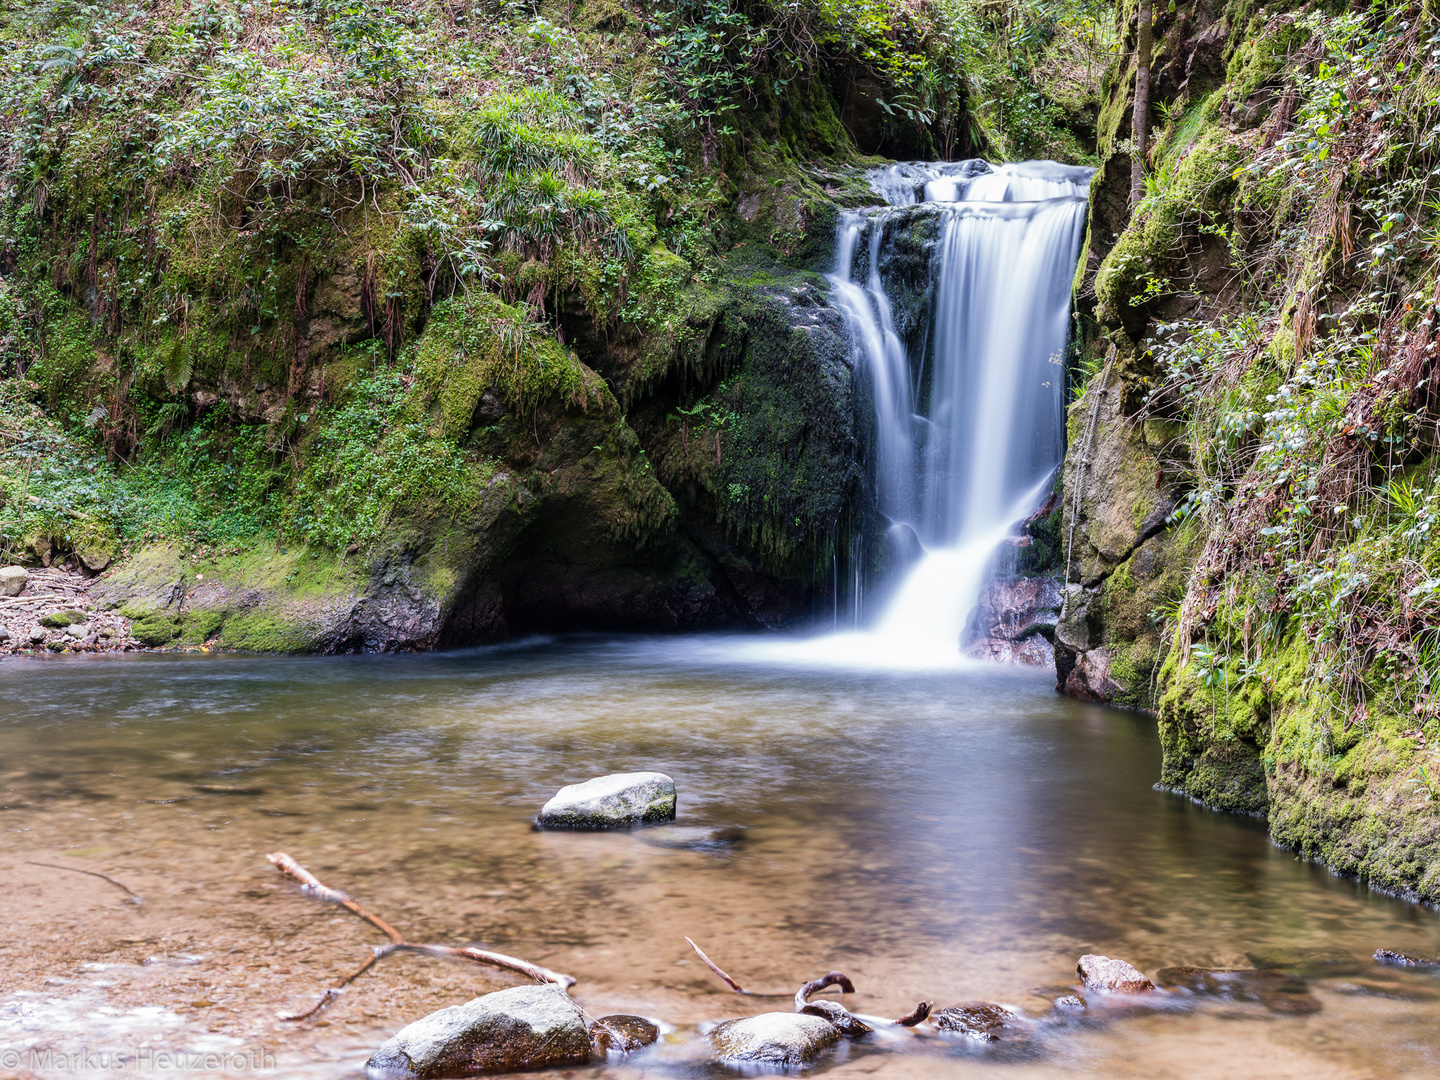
x,y
951,835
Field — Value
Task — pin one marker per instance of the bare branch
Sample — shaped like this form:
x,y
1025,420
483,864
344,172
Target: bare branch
x,y
312,885
920,1013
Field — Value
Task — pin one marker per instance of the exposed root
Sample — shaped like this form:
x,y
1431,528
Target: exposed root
x,y
919,1015
814,986
728,981
312,885
130,895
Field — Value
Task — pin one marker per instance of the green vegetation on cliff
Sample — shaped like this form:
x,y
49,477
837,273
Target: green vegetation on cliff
x,y
1268,313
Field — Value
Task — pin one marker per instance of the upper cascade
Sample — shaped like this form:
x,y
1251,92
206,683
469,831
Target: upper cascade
x,y
976,180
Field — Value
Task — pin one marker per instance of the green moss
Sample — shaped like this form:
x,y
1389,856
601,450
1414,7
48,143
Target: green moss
x,y
156,628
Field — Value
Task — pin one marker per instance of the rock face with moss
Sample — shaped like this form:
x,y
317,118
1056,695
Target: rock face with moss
x,y
1251,485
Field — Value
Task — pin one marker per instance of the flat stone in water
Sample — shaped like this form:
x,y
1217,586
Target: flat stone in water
x,y
776,1038
1112,976
526,1027
617,801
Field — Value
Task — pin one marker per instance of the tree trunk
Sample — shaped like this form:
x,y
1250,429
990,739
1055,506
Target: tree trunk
x,y
1143,48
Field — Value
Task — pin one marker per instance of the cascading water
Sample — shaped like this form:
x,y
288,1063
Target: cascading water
x,y
980,456
969,432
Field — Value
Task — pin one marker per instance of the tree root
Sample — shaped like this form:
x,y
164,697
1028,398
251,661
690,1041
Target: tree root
x,y
849,1025
312,886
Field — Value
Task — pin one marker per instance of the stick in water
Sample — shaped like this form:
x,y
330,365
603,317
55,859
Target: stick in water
x,y
727,980
130,895
312,886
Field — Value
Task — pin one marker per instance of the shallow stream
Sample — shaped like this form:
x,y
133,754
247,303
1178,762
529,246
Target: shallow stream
x,y
948,835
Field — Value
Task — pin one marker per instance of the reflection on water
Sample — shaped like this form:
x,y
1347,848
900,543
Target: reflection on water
x,y
948,835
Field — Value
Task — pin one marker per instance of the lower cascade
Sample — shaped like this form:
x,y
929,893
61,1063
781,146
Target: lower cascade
x,y
969,424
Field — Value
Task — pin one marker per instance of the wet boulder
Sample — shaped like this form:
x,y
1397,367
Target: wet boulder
x,y
622,1034
617,801
776,1038
527,1027
1112,976
13,580
979,1021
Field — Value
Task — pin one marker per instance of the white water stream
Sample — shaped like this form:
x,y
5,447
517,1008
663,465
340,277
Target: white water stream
x,y
964,450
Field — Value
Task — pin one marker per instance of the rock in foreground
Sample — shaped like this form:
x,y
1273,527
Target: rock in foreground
x,y
776,1038
527,1027
617,801
1112,976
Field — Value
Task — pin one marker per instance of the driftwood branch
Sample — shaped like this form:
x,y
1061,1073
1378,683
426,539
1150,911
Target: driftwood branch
x,y
130,895
728,981
312,886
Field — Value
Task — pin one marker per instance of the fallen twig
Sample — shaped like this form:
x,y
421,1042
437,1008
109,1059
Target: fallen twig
x,y
312,885
728,981
131,896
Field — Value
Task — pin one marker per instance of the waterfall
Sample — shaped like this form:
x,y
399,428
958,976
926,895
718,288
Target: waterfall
x,y
953,475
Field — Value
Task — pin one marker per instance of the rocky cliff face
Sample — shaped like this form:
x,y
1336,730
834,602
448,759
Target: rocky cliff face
x,y
1247,540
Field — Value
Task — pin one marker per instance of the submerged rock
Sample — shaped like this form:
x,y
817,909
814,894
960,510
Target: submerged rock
x,y
979,1020
622,1034
694,837
1276,990
1400,959
527,1027
13,580
1310,963
1112,976
775,1038
617,801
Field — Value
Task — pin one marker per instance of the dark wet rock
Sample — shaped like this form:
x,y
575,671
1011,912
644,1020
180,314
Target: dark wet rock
x,y
527,1027
1400,959
1310,963
979,1021
846,1022
13,580
1112,976
617,801
694,837
622,1034
776,1038
1277,990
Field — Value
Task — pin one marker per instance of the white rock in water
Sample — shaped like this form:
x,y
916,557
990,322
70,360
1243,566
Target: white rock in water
x,y
524,1028
1116,976
616,801
13,580
775,1038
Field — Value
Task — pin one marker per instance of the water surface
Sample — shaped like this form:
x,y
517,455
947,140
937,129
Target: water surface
x,y
943,835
